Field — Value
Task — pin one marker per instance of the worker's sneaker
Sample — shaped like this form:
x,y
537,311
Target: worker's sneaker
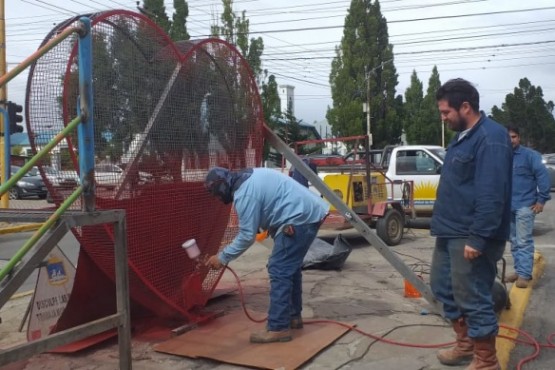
x,y
296,323
522,282
511,278
268,336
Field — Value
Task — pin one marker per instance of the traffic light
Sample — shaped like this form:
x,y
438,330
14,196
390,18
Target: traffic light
x,y
15,117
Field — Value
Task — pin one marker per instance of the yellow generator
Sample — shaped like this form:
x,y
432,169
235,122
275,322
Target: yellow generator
x,y
353,190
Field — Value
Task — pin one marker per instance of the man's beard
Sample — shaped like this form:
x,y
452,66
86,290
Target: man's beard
x,y
460,125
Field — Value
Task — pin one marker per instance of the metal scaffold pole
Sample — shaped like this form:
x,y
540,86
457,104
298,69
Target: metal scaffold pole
x,y
4,151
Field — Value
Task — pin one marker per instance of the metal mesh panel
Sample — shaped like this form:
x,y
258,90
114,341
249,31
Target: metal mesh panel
x,y
164,114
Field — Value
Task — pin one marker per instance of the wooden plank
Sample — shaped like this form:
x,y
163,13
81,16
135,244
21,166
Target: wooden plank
x,y
227,340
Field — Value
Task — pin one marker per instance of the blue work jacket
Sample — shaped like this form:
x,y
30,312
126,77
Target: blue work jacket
x,y
531,182
474,191
269,200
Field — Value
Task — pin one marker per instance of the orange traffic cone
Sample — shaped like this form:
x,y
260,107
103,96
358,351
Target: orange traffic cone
x,y
410,290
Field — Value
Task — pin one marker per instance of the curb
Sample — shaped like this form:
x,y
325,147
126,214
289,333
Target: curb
x,y
515,315
22,294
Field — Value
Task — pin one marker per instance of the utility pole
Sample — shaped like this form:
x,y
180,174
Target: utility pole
x,y
4,202
366,105
368,130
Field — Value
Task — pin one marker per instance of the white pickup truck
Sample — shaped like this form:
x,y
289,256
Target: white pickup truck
x,y
420,164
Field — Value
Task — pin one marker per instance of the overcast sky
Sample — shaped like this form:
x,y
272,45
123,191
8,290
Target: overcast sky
x,y
492,43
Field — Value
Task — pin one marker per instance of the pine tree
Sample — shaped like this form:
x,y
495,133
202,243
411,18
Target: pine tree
x,y
364,63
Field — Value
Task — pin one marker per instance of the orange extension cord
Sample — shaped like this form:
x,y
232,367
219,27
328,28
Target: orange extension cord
x,y
530,339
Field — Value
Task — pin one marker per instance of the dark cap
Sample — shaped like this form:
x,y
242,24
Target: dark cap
x,y
218,184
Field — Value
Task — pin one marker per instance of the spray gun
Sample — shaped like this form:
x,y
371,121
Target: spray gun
x,y
192,283
192,249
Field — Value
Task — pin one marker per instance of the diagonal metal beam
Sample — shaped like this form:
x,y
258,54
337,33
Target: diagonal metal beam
x,y
140,146
353,218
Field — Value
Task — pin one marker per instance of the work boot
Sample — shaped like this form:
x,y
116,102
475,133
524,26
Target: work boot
x,y
522,282
463,351
296,323
269,336
485,355
511,278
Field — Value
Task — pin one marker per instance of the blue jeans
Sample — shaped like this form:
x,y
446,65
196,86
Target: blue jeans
x,y
464,287
284,268
522,243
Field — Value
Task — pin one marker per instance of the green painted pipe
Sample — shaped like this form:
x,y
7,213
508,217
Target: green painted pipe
x,y
27,166
40,232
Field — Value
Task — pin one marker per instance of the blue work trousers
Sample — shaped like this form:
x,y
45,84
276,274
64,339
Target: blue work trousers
x,y
284,268
464,286
522,243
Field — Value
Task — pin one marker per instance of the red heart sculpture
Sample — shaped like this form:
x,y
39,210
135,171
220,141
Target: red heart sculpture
x,y
164,113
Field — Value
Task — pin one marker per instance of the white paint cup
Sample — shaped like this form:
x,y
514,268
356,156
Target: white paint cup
x,y
191,248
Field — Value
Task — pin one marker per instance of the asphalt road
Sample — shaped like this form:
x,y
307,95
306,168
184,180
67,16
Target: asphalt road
x,y
538,320
11,243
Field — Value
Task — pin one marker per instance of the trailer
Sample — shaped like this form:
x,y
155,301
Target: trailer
x,y
364,187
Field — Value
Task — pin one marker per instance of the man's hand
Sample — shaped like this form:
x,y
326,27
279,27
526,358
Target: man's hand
x,y
470,253
537,208
214,262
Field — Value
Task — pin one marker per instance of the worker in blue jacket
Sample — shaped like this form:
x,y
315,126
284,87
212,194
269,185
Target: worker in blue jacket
x,y
266,199
471,222
531,186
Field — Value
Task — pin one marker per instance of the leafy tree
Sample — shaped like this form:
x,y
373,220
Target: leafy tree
x,y
271,105
526,109
156,11
362,71
235,30
421,116
175,28
414,97
178,29
271,102
430,132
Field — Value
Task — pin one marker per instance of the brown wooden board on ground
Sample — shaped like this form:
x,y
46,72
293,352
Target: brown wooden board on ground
x,y
226,339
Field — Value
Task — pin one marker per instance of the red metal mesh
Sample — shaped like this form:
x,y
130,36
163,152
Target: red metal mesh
x,y
164,114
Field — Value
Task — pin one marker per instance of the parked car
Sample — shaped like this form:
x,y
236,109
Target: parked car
x,y
549,161
30,185
360,155
109,175
61,179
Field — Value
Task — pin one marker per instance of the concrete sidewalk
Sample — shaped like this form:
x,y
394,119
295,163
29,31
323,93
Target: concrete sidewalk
x,y
367,292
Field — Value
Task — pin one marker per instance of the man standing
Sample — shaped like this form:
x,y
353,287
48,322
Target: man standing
x,y
471,222
299,177
531,186
266,199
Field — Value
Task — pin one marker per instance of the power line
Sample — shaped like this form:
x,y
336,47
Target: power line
x,y
65,11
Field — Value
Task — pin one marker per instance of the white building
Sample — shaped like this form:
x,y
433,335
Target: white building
x,y
287,98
